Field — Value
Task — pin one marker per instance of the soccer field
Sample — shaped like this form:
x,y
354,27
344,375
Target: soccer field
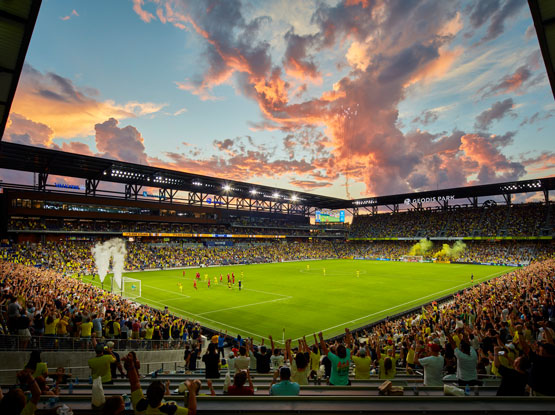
x,y
303,298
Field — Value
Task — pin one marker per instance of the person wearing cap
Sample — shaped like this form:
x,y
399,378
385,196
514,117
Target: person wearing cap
x,y
432,364
100,364
284,387
362,364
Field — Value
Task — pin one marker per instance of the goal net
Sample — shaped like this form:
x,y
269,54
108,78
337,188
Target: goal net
x,y
412,258
131,288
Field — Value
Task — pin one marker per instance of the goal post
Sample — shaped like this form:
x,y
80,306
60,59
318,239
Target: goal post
x,y
412,258
131,288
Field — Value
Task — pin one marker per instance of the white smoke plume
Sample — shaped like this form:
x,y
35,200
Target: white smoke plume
x,y
113,249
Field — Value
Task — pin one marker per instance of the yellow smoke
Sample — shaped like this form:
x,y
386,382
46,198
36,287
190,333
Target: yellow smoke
x,y
451,252
421,247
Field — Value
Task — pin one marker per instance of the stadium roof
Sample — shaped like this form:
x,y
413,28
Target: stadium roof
x,y
507,188
53,162
543,13
17,21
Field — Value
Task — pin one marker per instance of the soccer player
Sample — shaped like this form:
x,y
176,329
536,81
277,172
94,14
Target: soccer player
x,y
205,277
180,287
229,285
183,273
233,278
208,283
228,279
358,274
198,275
472,278
195,285
324,272
308,267
239,282
215,280
221,278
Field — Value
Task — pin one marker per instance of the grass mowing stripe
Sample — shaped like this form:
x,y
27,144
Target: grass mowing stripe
x,y
245,305
400,305
313,300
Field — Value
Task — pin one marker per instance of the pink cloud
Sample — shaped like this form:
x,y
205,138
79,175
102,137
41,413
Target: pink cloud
x,y
69,16
143,14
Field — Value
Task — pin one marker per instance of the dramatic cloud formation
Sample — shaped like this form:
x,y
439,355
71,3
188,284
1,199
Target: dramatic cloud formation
x,y
497,111
389,46
67,110
348,95
120,143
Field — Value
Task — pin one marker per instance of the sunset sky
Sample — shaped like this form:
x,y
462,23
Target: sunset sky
x,y
343,98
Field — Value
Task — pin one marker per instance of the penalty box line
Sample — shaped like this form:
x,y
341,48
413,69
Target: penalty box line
x,y
239,330
400,305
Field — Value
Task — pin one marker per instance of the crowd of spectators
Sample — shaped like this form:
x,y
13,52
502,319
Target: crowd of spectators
x,y
75,257
489,220
503,328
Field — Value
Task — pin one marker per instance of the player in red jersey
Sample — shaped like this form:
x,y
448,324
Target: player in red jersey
x,y
208,283
195,284
233,278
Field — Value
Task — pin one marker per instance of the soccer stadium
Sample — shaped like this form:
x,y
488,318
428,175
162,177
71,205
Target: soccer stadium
x,y
241,282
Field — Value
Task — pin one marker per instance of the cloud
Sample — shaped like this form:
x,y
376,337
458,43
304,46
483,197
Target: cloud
x,y
497,23
497,111
482,11
309,184
69,111
544,162
124,144
520,80
382,51
426,117
537,116
530,32
143,14
296,61
24,131
69,16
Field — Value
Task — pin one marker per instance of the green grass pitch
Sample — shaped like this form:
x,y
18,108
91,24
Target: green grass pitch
x,y
301,298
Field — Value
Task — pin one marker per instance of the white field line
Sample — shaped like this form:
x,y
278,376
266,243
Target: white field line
x,y
245,305
168,291
239,330
400,305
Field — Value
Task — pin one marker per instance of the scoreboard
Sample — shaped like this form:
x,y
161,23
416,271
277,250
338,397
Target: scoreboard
x,y
323,216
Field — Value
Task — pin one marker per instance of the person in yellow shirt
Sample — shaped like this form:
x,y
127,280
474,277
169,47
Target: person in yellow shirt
x,y
362,364
100,364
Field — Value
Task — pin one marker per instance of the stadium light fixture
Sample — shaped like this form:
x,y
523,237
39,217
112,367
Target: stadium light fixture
x,y
294,198
253,191
227,187
275,195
